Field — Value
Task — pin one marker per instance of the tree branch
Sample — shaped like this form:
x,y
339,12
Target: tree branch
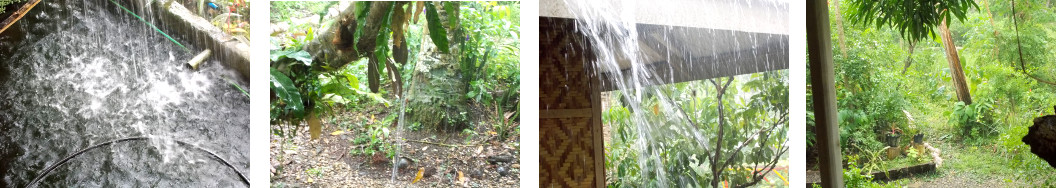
x,y
367,40
1022,63
780,121
716,170
443,144
759,176
335,45
909,59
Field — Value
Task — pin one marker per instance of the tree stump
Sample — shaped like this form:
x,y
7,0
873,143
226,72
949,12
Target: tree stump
x,y
1042,138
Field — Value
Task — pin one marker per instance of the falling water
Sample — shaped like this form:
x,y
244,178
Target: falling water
x,y
77,73
612,29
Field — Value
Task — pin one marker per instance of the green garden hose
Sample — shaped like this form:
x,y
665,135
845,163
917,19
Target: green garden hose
x,y
151,26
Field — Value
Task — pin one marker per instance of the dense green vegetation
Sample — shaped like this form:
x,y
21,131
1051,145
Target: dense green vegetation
x,y
892,78
4,3
306,89
750,110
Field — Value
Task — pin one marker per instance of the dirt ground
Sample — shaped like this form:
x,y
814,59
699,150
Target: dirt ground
x,y
327,162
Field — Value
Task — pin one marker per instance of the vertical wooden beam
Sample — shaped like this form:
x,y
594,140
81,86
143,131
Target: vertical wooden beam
x,y
599,139
823,86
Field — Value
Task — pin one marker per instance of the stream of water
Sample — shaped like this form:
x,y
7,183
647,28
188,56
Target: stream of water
x,y
77,73
613,31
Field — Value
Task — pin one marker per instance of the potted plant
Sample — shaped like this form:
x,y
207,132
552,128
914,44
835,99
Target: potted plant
x,y
893,135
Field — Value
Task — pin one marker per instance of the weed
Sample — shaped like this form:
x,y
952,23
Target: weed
x,y
317,172
470,133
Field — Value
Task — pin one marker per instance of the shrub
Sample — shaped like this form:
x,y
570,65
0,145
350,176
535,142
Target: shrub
x,y
974,121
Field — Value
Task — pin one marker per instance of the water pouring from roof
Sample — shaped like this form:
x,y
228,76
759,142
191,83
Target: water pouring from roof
x,y
641,46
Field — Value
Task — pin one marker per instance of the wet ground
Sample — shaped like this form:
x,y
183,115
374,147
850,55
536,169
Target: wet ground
x,y
77,73
327,162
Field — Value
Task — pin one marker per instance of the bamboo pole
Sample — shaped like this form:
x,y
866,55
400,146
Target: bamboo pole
x,y
18,14
198,59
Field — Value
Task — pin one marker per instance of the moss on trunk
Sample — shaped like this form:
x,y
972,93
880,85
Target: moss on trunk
x,y
437,99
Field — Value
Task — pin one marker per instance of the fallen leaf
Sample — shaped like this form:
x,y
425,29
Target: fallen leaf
x,y
507,115
339,132
479,149
419,177
461,178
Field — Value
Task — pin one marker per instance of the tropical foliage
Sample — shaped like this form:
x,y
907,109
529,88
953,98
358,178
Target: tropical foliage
x,y
887,79
747,118
914,19
307,87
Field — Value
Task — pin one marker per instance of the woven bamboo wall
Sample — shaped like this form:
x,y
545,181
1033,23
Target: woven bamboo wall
x,y
571,149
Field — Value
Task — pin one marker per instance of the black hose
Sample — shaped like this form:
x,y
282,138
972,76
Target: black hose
x,y
82,151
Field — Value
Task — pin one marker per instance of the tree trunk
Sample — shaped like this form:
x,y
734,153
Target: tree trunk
x,y
955,65
1041,137
839,28
716,168
335,45
909,58
436,96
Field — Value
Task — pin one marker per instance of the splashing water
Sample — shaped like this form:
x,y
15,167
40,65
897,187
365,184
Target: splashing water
x,y
615,38
636,69
77,73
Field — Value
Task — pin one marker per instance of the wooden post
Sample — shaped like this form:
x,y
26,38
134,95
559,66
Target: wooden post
x,y
822,79
571,148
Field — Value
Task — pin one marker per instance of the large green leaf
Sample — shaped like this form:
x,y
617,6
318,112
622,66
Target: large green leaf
x,y
381,43
283,87
362,7
436,28
353,81
299,55
336,88
452,17
380,52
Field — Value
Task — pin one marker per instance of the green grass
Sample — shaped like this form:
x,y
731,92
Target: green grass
x,y
903,162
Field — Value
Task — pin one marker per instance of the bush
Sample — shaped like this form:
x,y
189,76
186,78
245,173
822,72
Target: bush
x,y
975,122
855,177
